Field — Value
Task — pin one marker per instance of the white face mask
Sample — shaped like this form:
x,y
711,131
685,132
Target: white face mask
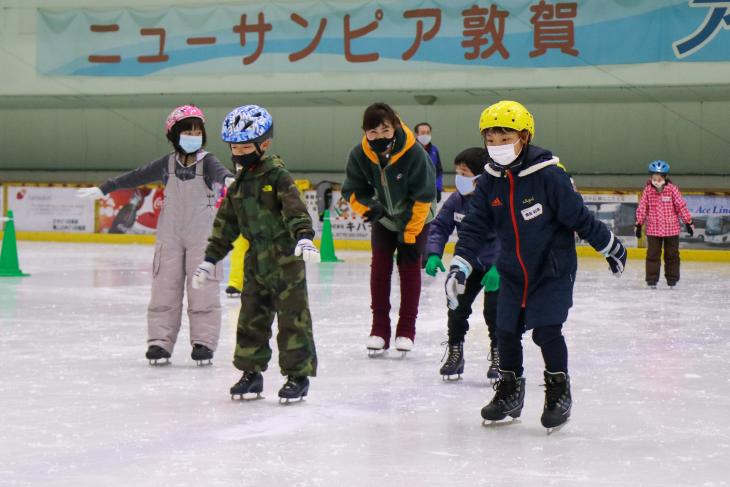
x,y
424,139
465,185
657,184
503,155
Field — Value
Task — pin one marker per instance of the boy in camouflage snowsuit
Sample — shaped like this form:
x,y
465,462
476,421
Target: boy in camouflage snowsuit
x,y
264,206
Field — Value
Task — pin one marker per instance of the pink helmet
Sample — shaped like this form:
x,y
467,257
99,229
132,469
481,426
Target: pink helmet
x,y
181,113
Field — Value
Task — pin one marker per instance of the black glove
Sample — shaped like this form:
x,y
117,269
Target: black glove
x,y
407,253
616,257
690,228
374,213
637,230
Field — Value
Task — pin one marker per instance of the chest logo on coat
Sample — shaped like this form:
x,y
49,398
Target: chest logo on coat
x,y
532,212
458,217
399,176
267,188
529,200
496,202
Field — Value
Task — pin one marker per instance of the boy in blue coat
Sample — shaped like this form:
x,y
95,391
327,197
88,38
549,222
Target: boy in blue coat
x,y
469,166
531,203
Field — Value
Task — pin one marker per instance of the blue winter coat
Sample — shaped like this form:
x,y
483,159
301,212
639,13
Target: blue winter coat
x,y
535,211
449,217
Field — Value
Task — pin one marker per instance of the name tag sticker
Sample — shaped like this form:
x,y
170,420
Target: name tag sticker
x,y
458,217
666,199
532,212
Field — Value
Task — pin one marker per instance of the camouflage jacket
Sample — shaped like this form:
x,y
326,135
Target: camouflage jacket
x,y
265,206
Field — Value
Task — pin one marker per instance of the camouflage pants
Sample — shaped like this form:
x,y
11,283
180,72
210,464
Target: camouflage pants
x,y
285,294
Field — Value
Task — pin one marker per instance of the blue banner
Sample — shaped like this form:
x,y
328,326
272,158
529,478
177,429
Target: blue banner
x,y
381,36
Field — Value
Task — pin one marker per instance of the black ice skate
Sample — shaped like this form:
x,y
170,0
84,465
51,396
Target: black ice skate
x,y
202,354
493,371
232,292
156,354
557,401
454,364
249,383
508,400
294,388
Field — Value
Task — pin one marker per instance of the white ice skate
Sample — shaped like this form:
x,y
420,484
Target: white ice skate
x,y
375,346
403,345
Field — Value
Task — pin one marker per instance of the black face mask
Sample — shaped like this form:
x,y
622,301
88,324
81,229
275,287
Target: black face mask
x,y
381,145
246,160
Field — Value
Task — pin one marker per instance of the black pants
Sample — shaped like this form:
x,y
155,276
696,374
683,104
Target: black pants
x,y
550,340
458,318
671,259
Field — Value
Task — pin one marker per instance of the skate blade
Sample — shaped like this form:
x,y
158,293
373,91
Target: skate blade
x,y
450,378
243,398
286,400
204,363
376,352
555,429
488,423
403,353
158,362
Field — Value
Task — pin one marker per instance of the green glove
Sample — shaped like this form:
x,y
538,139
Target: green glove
x,y
490,281
433,263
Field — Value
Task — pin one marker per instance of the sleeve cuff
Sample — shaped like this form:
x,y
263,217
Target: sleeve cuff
x,y
210,259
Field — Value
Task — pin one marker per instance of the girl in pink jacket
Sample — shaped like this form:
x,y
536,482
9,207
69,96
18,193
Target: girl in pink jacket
x,y
661,206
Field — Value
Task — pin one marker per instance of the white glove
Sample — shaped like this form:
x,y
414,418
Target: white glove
x,y
459,271
205,271
91,193
307,250
229,181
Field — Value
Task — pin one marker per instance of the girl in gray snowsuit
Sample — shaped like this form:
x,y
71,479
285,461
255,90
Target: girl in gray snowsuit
x,y
192,179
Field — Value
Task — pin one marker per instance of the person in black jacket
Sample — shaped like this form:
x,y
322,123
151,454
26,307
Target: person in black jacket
x,y
531,203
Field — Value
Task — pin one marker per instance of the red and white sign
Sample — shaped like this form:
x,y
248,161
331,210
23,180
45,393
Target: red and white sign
x,y
48,209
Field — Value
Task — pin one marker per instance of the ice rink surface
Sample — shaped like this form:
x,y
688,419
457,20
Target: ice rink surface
x,y
80,405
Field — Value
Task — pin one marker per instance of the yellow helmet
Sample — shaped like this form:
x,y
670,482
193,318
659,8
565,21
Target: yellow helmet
x,y
509,114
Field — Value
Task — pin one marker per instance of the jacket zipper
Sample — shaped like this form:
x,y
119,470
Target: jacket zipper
x,y
386,190
517,235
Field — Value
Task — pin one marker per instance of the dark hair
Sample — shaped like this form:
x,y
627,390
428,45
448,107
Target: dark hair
x,y
185,124
505,130
474,158
378,113
422,124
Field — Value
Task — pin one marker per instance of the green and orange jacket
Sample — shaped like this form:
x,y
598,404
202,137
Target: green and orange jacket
x,y
405,187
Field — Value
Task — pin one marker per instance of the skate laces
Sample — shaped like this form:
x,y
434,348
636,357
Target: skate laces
x,y
504,389
553,392
246,377
291,383
453,351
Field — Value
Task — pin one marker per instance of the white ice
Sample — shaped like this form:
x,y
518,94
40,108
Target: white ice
x,y
80,406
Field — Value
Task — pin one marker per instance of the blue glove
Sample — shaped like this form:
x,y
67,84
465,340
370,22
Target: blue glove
x,y
456,280
616,256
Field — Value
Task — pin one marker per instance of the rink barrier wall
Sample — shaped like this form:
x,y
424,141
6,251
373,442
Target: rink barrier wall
x,y
698,255
57,215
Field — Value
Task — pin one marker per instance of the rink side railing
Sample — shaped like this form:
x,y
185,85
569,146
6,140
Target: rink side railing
x,y
52,212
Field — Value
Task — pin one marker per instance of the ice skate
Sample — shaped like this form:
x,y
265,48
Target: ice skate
x,y
232,292
454,364
156,354
651,285
294,388
202,354
493,371
249,383
403,345
375,346
508,399
558,401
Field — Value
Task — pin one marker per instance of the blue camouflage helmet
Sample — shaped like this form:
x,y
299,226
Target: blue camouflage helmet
x,y
658,167
249,124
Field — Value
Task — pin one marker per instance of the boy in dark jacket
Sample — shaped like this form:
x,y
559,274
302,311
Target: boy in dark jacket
x,y
469,166
530,202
